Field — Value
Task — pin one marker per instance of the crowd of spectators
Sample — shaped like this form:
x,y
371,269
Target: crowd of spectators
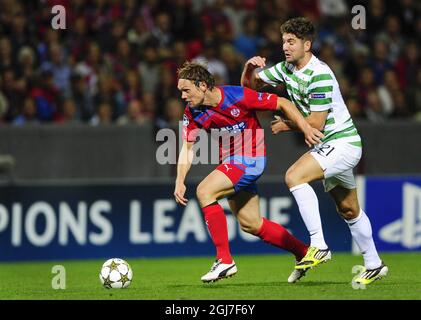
x,y
116,61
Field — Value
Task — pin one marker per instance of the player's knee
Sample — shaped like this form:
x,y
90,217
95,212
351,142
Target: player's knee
x,y
348,211
201,193
291,178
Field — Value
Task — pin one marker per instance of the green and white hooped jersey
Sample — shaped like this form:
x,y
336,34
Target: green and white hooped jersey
x,y
315,88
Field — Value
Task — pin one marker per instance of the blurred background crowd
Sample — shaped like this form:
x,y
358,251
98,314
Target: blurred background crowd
x,y
116,61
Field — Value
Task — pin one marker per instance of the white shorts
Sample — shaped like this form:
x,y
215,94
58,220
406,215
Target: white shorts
x,y
337,159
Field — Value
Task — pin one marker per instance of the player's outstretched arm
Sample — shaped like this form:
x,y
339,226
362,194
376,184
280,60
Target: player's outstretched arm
x,y
312,135
249,77
185,160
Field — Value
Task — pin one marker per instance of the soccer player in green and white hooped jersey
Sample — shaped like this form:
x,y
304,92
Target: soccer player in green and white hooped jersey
x,y
312,87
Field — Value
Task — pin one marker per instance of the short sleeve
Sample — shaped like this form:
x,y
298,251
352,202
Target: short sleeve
x,y
190,128
272,75
320,92
254,100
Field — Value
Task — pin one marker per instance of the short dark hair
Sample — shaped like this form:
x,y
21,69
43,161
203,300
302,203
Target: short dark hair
x,y
197,73
301,27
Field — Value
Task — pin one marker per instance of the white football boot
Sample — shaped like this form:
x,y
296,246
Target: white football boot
x,y
219,271
297,274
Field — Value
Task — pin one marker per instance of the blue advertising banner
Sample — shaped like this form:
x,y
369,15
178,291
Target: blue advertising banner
x,y
394,207
89,221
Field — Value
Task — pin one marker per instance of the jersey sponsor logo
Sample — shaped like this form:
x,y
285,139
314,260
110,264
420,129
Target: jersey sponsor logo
x,y
318,95
239,127
185,120
268,97
235,112
407,230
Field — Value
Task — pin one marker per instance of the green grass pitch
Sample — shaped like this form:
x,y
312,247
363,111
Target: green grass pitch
x,y
258,277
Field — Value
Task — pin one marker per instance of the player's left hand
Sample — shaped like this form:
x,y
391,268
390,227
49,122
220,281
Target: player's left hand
x,y
180,190
279,125
312,136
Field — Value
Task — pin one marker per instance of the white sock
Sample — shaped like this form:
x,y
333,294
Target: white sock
x,y
362,234
309,208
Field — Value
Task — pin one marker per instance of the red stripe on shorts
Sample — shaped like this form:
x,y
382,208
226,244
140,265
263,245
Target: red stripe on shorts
x,y
232,171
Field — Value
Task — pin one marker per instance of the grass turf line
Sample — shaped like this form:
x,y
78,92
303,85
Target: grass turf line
x,y
258,277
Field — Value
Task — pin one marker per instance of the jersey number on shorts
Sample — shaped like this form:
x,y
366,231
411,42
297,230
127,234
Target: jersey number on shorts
x,y
325,150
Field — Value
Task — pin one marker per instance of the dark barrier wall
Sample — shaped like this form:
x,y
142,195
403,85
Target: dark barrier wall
x,y
143,220
81,152
112,152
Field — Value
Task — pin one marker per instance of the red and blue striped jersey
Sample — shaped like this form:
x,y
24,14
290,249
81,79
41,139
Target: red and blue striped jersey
x,y
235,114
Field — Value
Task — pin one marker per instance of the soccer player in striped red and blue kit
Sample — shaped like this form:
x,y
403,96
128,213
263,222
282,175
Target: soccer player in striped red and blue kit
x,y
232,109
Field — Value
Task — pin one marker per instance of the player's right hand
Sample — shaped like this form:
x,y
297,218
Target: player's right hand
x,y
256,62
312,136
180,190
